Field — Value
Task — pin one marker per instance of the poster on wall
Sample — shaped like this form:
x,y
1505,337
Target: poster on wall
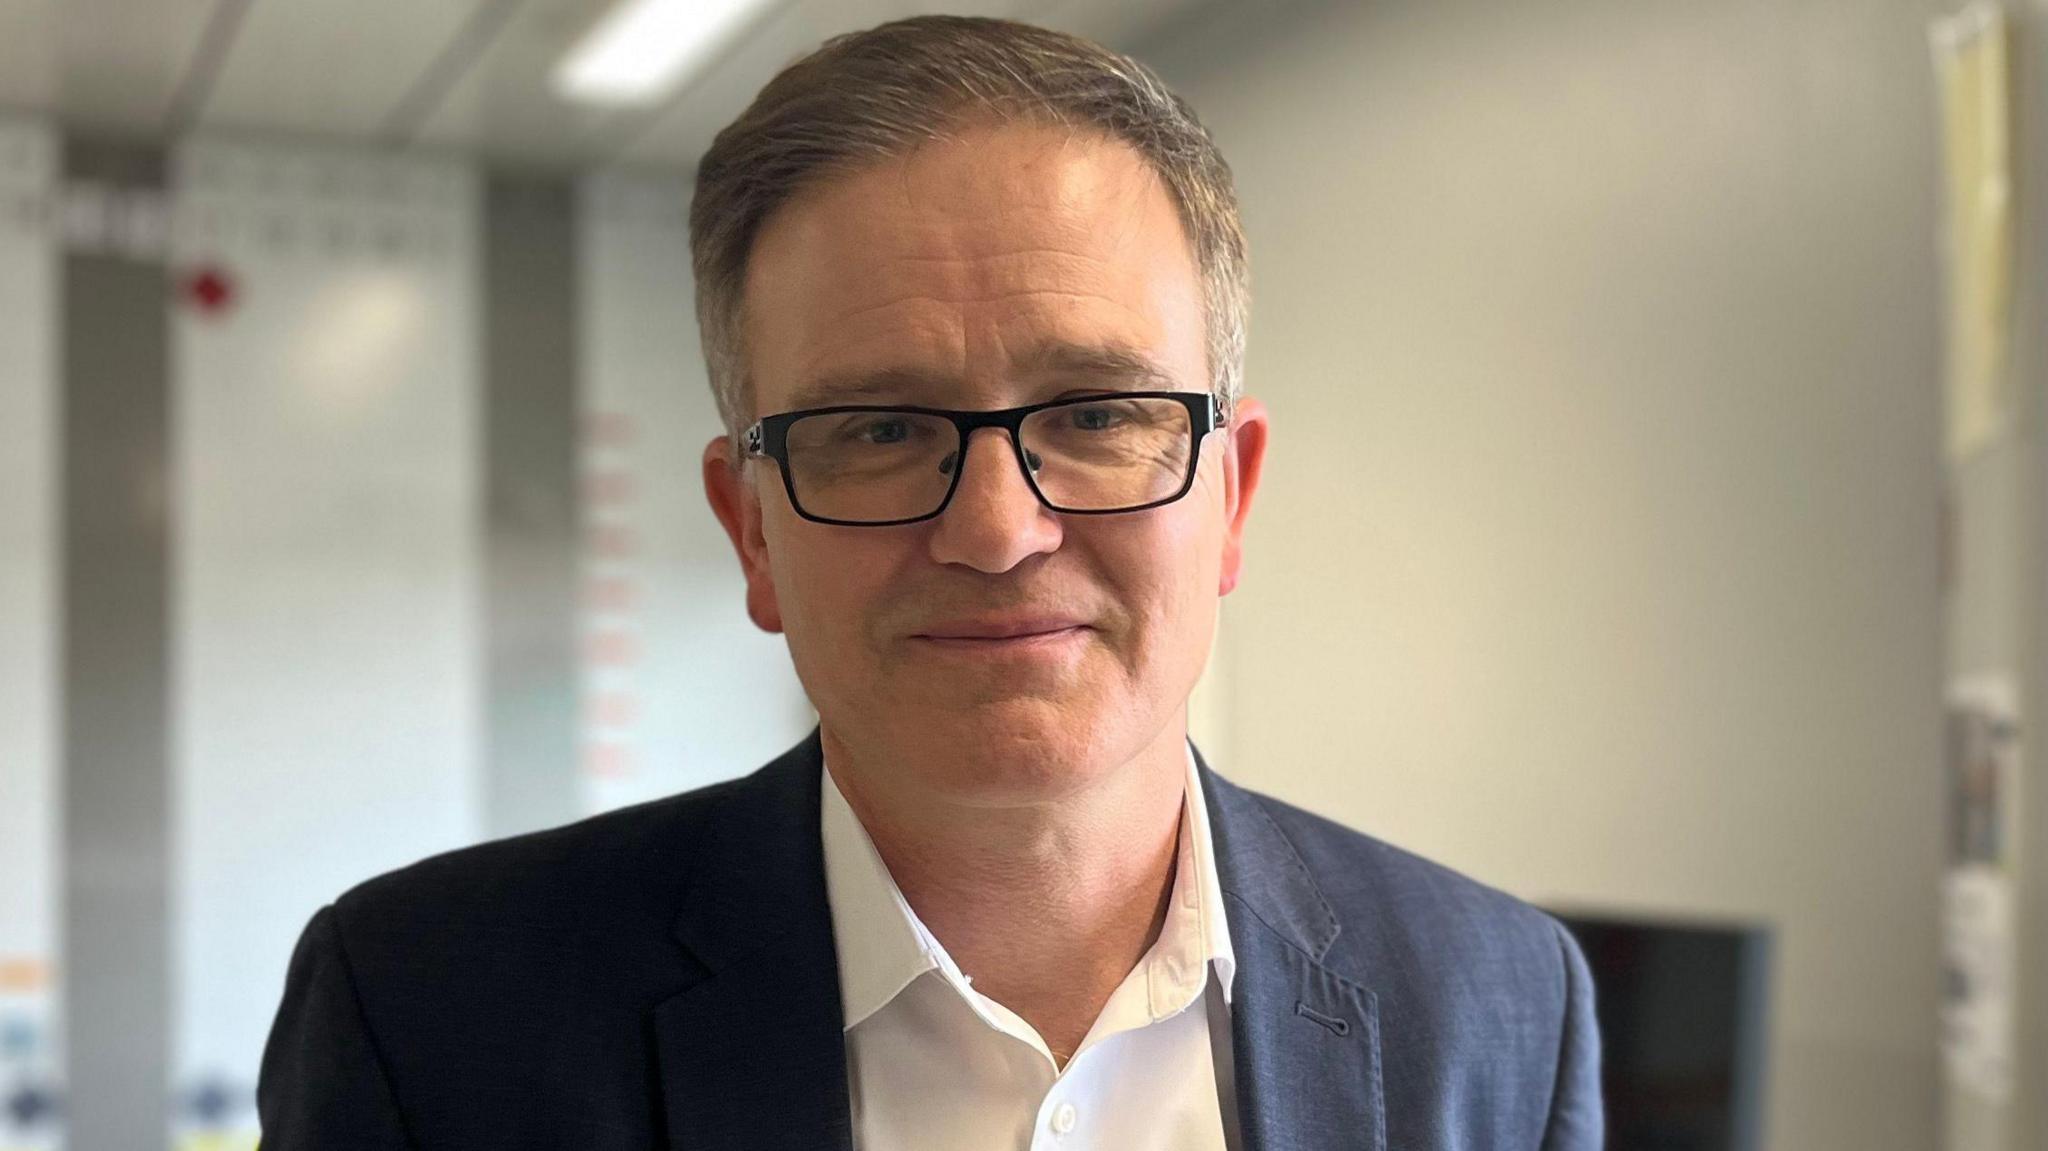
x,y
1979,944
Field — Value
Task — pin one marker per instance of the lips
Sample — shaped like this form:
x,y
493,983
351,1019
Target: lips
x,y
1000,627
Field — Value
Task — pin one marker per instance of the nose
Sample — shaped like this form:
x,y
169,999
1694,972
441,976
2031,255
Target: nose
x,y
994,521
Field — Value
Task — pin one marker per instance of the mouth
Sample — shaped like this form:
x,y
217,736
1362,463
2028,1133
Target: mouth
x,y
1004,636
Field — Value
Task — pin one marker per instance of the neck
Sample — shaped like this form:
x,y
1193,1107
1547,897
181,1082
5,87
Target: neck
x,y
1047,905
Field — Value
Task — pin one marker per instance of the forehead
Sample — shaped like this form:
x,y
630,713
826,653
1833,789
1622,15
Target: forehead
x,y
967,269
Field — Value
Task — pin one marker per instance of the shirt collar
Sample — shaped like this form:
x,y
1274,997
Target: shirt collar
x,y
1199,855
883,946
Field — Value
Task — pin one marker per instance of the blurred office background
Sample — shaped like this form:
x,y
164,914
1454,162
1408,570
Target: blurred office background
x,y
1619,546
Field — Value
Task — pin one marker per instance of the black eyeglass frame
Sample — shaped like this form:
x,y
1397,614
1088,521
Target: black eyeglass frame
x,y
768,438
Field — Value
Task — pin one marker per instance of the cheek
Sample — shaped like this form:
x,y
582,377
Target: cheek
x,y
1198,562
1165,577
830,584
1195,534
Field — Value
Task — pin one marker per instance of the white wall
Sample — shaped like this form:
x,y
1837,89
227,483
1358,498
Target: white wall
x,y
1597,555
2030,366
680,688
327,661
28,626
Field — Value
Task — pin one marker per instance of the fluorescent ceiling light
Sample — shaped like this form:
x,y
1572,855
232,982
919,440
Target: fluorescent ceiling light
x,y
643,48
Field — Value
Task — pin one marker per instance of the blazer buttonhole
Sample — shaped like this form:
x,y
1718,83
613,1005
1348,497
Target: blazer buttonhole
x,y
1337,1026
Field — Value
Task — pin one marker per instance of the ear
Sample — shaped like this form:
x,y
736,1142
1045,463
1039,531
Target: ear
x,y
737,505
1244,455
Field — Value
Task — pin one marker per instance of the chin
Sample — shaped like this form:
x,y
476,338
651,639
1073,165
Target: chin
x,y
1013,751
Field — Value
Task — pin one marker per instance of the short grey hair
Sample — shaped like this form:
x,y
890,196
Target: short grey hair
x,y
866,97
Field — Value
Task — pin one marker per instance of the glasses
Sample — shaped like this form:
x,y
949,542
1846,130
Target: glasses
x,y
863,465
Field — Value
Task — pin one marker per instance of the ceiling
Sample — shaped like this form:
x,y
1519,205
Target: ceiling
x,y
464,76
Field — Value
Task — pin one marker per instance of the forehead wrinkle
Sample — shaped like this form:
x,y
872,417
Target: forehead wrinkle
x,y
1057,253
1064,360
976,301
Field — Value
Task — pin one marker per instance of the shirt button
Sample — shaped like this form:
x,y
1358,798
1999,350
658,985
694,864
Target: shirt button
x,y
1063,1119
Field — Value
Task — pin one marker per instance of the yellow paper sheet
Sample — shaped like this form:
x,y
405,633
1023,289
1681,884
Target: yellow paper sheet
x,y
1971,55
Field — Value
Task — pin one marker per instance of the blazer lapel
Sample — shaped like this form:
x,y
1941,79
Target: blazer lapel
x,y
1305,1039
753,1055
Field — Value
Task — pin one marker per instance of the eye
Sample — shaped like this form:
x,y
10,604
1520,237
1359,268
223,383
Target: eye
x,y
886,430
1095,419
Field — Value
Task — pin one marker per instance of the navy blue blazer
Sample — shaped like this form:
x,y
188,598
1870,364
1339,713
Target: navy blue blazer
x,y
664,977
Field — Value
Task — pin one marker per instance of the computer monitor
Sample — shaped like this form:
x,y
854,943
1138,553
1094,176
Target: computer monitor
x,y
1682,1012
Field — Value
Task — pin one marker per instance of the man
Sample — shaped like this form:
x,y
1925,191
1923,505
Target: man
x,y
973,299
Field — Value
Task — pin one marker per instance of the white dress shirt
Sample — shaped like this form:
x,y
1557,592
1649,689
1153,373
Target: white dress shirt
x,y
934,1064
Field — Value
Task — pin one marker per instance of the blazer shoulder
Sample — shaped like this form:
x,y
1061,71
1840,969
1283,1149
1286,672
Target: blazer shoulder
x,y
1391,899
597,867
1489,996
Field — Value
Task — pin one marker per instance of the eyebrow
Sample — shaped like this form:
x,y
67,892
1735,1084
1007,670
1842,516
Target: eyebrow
x,y
1098,366
1109,364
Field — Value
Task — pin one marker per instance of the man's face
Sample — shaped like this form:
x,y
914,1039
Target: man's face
x,y
1002,267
